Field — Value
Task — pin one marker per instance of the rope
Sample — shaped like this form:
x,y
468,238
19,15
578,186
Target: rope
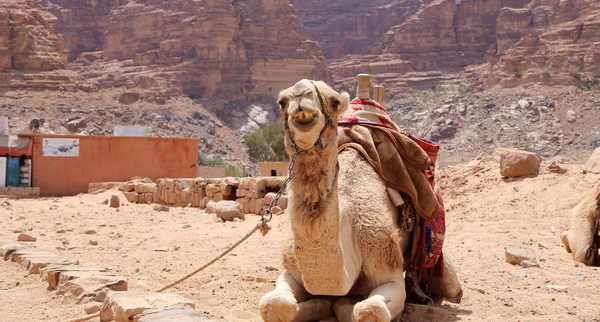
x,y
262,226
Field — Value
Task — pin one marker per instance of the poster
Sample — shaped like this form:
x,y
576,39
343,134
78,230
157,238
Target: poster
x,y
60,147
3,125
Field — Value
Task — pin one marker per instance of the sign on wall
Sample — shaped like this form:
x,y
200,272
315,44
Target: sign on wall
x,y
54,147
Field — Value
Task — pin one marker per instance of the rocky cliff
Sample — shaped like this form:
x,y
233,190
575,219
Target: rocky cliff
x,y
426,43
212,49
31,52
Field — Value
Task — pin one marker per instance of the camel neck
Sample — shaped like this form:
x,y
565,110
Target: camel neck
x,y
322,238
314,182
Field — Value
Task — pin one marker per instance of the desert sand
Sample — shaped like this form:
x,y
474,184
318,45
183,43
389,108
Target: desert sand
x,y
484,214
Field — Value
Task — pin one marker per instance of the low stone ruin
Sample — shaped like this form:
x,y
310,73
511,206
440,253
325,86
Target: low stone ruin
x,y
253,193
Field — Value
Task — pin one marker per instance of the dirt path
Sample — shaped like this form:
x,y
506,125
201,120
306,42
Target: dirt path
x,y
485,214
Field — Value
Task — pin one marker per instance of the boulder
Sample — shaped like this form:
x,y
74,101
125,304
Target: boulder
x,y
210,207
516,163
593,163
228,210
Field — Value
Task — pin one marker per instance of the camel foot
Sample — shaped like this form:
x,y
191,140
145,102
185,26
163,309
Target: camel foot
x,y
276,307
371,310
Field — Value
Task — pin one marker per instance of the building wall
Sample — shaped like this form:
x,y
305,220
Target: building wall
x,y
280,168
109,158
217,171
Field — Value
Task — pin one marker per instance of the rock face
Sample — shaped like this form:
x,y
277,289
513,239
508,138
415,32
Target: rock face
x,y
515,163
208,49
359,23
517,41
31,52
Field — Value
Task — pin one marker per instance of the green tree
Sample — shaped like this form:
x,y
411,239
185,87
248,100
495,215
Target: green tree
x,y
267,144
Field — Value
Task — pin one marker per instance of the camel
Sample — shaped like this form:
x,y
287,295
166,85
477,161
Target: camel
x,y
583,236
346,252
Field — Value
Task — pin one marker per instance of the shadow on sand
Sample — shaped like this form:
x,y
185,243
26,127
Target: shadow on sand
x,y
422,313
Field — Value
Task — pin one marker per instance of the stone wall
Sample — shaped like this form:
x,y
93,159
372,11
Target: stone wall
x,y
253,194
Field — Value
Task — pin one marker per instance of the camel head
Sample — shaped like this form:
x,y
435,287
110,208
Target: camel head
x,y
310,110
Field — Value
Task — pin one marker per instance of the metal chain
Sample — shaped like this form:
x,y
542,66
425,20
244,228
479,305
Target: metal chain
x,y
268,211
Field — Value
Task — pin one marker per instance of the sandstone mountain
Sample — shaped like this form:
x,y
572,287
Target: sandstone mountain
x,y
422,43
455,70
31,53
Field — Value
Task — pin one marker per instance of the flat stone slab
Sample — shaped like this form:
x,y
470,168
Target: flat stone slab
x,y
20,253
89,284
173,314
8,249
52,274
35,262
127,306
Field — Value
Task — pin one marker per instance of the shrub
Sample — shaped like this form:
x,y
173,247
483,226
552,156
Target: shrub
x,y
267,144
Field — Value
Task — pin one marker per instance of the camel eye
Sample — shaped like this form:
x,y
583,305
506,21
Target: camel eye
x,y
282,104
335,104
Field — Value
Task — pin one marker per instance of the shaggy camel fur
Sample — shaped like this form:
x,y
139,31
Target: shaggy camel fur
x,y
346,240
579,240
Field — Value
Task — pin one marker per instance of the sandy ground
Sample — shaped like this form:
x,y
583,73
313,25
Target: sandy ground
x,y
485,213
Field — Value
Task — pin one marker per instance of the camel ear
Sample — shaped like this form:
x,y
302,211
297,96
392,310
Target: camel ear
x,y
340,105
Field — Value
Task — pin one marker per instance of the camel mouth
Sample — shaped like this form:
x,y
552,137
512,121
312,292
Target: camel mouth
x,y
304,119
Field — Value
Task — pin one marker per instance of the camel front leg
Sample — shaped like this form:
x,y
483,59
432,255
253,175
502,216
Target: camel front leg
x,y
385,303
290,302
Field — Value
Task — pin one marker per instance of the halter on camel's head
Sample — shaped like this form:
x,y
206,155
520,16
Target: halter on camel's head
x,y
309,109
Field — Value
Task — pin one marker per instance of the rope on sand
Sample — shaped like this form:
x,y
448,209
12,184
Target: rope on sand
x,y
262,226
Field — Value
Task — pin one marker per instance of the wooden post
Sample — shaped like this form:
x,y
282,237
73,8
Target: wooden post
x,y
378,92
364,86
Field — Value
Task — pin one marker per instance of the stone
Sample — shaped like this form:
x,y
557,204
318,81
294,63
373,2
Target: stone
x,y
160,208
173,314
211,207
126,306
24,237
161,249
528,264
443,132
115,202
523,103
53,273
516,163
90,231
276,211
516,254
571,116
92,307
93,242
593,163
228,210
282,202
89,284
129,98
554,167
